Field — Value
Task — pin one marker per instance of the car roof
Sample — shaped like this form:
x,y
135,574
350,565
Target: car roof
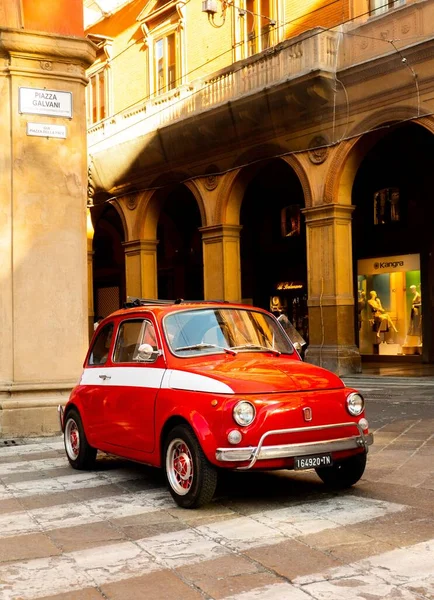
x,y
163,307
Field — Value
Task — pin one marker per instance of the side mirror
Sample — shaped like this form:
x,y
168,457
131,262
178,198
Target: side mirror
x,y
145,352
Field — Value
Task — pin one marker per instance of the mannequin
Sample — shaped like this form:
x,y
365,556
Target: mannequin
x,y
415,315
379,314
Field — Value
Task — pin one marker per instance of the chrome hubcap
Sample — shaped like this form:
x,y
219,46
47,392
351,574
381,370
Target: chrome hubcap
x,y
179,466
72,439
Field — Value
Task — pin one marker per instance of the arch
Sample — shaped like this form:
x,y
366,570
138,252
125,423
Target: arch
x,y
235,183
119,209
350,153
150,206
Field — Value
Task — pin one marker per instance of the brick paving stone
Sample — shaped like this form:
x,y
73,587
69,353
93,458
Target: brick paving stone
x,y
84,536
23,547
345,544
84,594
410,496
29,476
207,514
10,505
293,558
44,500
400,529
102,491
163,585
147,525
227,576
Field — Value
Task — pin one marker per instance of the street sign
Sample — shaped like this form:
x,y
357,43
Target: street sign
x,y
36,101
46,130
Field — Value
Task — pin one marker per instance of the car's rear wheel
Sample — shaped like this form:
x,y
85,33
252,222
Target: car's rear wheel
x,y
80,453
192,479
344,473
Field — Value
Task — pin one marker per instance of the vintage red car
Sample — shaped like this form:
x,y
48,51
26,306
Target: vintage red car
x,y
196,387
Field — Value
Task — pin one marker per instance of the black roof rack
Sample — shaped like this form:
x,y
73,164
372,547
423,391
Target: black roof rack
x,y
133,302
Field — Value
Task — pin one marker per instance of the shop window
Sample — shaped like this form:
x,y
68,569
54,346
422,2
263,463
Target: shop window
x,y
290,220
387,206
165,63
380,6
390,305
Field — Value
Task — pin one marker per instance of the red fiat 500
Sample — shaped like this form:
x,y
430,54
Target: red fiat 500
x,y
195,387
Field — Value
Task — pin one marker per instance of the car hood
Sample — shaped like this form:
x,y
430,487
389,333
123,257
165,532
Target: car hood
x,y
260,374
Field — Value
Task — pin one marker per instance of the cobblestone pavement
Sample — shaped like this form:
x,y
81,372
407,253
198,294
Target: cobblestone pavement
x,y
115,533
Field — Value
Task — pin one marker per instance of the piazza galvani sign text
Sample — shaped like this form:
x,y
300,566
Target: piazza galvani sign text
x,y
53,103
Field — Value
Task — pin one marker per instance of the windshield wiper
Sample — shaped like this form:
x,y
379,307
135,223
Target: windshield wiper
x,y
257,347
203,345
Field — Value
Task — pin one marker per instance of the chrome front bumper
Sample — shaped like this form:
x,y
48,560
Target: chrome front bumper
x,y
261,452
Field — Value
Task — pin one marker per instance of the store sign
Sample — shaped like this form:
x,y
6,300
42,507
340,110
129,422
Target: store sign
x,y
45,102
289,285
46,130
389,264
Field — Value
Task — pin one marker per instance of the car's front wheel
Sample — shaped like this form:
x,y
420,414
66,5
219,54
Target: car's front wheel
x,y
344,473
80,453
192,479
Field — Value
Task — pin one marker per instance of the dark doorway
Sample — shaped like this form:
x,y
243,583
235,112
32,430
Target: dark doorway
x,y
273,243
108,260
179,250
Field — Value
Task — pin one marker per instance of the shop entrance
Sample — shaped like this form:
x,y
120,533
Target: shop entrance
x,y
392,235
273,244
179,250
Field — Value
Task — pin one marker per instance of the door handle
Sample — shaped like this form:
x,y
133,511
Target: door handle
x,y
104,377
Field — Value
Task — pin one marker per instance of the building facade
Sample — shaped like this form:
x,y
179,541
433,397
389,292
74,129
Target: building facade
x,y
43,184
271,152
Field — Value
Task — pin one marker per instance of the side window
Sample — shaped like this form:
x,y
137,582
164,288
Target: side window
x,y
101,346
132,334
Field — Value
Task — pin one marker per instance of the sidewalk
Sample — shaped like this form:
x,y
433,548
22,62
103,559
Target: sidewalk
x,y
397,369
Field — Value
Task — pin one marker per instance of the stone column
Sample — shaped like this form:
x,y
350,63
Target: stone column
x,y
90,253
330,289
141,268
43,270
221,262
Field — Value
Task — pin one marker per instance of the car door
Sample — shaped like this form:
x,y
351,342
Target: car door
x,y
94,382
135,379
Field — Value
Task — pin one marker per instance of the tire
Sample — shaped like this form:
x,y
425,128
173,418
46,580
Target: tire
x,y
344,473
191,478
80,453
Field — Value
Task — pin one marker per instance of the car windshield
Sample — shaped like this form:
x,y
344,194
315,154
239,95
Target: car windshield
x,y
218,330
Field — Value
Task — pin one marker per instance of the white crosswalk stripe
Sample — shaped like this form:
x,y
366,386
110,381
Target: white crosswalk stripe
x,y
32,466
35,448
92,511
66,483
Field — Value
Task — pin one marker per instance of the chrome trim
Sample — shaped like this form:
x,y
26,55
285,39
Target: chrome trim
x,y
61,414
262,452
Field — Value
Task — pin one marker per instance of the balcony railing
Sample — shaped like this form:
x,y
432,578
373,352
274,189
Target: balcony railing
x,y
313,51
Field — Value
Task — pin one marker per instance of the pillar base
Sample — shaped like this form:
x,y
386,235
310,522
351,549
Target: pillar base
x,y
342,360
30,410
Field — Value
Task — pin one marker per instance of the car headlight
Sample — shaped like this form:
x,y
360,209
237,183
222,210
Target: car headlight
x,y
355,404
244,413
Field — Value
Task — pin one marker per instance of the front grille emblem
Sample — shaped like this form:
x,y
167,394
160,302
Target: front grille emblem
x,y
307,413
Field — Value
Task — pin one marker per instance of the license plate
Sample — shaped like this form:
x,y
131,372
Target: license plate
x,y
312,462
